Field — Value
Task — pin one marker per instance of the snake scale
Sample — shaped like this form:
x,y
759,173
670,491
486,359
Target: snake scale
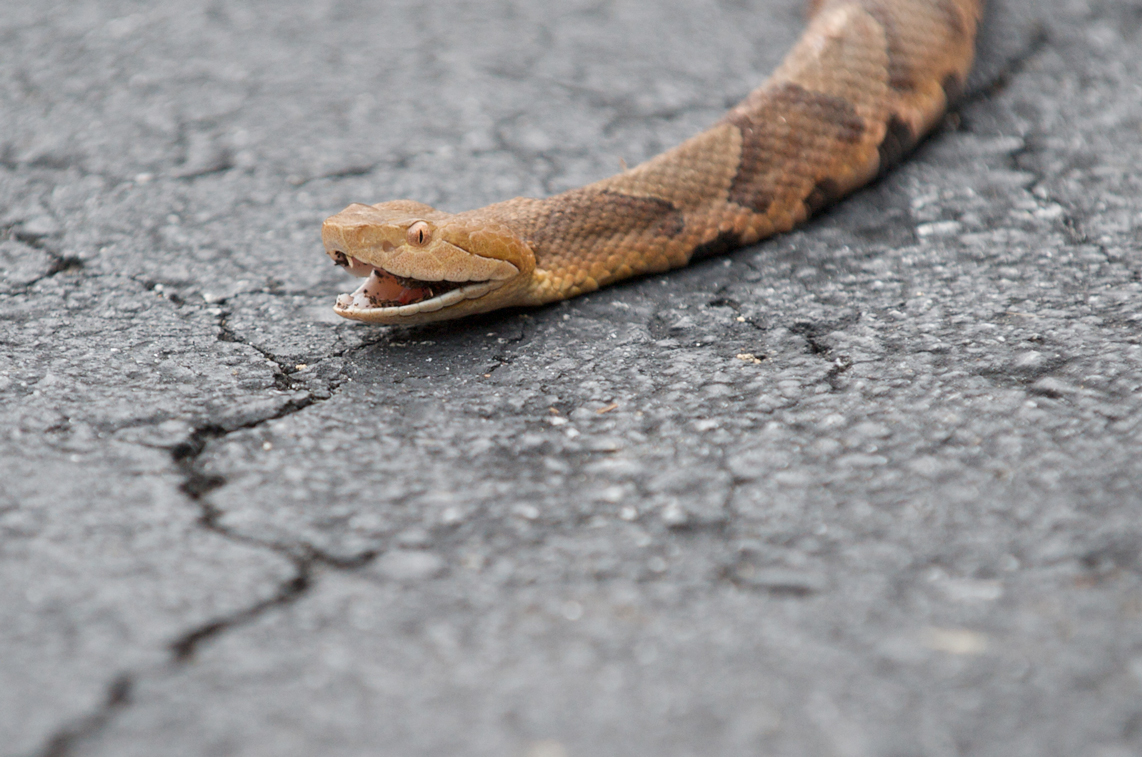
x,y
865,82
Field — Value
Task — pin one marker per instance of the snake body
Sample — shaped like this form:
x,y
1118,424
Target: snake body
x,y
865,82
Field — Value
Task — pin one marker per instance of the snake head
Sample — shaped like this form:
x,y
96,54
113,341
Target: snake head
x,y
422,265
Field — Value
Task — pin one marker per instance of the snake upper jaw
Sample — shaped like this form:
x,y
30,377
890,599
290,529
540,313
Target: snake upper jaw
x,y
414,270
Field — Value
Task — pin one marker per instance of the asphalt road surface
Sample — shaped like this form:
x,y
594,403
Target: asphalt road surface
x,y
869,488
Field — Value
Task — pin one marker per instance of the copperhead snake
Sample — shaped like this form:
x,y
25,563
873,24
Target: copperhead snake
x,y
865,82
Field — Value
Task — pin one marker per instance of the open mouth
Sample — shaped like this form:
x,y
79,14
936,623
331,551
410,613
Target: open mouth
x,y
382,290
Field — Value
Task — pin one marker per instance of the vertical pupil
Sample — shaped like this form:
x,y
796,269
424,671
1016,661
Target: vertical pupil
x,y
419,234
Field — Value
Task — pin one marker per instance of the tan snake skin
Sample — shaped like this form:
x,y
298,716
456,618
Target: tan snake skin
x,y
865,82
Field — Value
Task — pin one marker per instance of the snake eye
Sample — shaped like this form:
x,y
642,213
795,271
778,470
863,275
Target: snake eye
x,y
419,234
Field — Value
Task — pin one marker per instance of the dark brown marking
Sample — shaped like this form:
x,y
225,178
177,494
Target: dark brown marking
x,y
587,216
719,245
824,193
953,18
781,126
898,140
901,76
953,88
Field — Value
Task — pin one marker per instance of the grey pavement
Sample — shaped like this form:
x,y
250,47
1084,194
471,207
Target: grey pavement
x,y
869,488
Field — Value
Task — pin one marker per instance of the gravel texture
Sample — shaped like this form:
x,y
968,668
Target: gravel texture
x,y
869,488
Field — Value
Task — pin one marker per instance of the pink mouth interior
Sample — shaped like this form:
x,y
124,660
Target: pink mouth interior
x,y
382,289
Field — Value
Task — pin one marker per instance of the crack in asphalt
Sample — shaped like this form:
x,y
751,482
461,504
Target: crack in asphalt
x,y
1017,64
60,263
282,378
185,646
117,697
197,484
